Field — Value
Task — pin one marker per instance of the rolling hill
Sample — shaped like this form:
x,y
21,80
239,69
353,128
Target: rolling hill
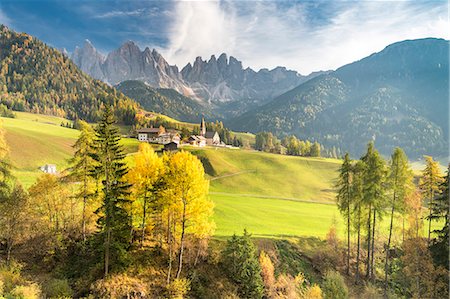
x,y
397,97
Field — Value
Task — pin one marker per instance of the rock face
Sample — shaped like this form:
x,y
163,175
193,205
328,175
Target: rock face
x,y
130,63
221,84
89,60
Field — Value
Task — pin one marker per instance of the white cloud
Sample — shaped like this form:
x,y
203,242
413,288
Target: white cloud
x,y
4,18
264,34
119,13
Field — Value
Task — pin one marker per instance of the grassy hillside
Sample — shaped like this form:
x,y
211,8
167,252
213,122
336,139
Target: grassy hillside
x,y
270,195
264,174
35,140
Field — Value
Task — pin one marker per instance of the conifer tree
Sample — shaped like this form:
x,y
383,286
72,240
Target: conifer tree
x,y
440,211
431,180
241,263
400,185
357,197
83,166
114,221
344,198
373,198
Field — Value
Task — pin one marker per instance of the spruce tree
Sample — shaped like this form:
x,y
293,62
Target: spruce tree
x,y
114,220
241,262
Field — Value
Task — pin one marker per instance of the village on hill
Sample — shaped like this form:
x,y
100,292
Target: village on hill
x,y
171,139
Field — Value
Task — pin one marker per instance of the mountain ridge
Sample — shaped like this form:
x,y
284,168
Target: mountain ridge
x,y
396,97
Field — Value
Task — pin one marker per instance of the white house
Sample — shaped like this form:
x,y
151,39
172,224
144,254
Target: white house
x,y
49,168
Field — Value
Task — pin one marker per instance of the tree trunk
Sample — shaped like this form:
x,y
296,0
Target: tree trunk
x,y
429,216
144,218
373,246
348,239
369,234
183,227
358,249
107,244
8,251
169,241
386,264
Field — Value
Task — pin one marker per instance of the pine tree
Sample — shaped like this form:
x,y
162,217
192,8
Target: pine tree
x,y
241,263
431,179
114,221
344,198
400,185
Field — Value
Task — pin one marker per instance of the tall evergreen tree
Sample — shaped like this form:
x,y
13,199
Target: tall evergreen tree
x,y
400,185
241,262
114,221
373,190
440,211
344,198
431,180
83,166
357,197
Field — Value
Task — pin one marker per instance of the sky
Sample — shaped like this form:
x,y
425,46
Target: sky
x,y
305,36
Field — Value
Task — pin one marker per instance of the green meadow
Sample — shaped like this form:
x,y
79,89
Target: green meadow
x,y
270,195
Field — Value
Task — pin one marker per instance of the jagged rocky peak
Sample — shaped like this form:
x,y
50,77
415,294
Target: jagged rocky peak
x,y
89,60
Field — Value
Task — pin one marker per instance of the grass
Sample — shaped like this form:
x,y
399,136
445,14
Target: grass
x,y
273,196
256,173
35,140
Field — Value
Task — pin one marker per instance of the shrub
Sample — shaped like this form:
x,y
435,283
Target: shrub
x,y
334,286
120,286
31,291
57,288
178,288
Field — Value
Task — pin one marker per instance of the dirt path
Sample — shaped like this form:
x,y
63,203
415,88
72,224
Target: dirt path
x,y
231,174
273,197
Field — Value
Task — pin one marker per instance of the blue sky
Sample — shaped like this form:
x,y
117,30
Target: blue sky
x,y
302,35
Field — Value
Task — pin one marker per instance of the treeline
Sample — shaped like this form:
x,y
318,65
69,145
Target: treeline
x,y
39,79
403,263
85,223
267,142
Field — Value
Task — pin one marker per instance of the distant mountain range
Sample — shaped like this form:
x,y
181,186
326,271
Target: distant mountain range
x,y
397,97
221,84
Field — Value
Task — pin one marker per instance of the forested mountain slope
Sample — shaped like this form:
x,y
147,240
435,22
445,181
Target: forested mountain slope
x,y
37,78
397,97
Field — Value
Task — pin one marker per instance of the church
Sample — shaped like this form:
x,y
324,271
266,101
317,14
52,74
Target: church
x,y
205,138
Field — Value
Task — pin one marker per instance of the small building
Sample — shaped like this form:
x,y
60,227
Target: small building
x,y
212,138
49,168
196,140
171,146
158,135
150,134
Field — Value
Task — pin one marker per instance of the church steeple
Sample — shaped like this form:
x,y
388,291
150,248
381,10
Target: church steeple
x,y
203,127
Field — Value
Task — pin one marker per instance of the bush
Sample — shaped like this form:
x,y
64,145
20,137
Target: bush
x,y
334,286
57,288
120,286
178,288
31,291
